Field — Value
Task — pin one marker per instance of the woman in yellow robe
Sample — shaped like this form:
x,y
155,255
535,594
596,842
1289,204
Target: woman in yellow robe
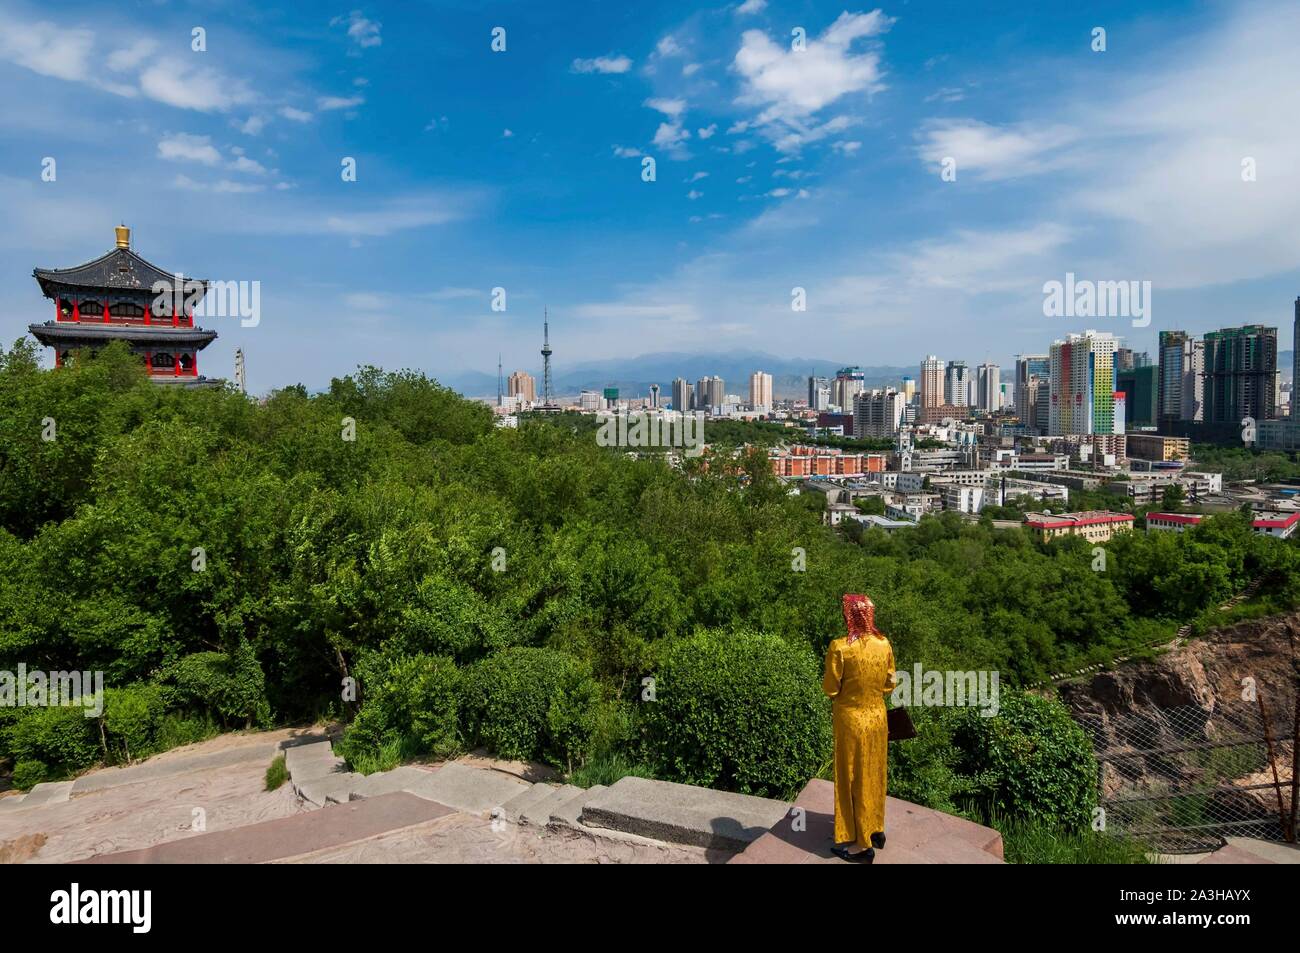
x,y
859,674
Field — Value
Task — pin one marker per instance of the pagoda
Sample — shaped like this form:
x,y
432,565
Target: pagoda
x,y
113,299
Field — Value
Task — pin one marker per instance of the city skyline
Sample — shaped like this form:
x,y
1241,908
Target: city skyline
x,y
467,179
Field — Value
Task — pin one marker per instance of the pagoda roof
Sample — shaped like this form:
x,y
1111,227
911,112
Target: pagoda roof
x,y
75,334
121,269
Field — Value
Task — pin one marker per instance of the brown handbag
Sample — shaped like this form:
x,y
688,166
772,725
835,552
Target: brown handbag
x,y
900,724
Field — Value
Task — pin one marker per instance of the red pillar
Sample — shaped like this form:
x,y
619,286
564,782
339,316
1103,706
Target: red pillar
x,y
176,365
148,313
106,312
76,309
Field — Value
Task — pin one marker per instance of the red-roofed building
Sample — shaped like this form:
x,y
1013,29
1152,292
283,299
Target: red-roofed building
x,y
1283,526
1096,526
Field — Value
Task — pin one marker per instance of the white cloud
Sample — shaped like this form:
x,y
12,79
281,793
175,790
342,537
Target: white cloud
x,y
708,131
400,214
697,176
671,136
245,164
507,134
252,126
327,103
693,195
47,49
187,86
363,32
602,64
847,148
187,148
947,94
994,152
751,6
222,186
296,115
789,84
667,46
690,69
672,108
626,152
129,57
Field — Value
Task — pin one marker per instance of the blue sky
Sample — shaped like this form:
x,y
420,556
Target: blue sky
x,y
775,168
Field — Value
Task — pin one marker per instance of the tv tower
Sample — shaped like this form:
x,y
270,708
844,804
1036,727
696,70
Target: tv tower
x,y
239,370
498,378
546,359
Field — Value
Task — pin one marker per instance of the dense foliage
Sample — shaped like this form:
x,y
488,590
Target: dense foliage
x,y
228,563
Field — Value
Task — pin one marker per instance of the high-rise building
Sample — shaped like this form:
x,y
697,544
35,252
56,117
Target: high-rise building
x,y
1141,387
1082,384
1240,374
877,413
1032,370
931,382
988,387
681,394
1181,391
654,395
710,394
849,382
760,391
909,389
819,393
523,385
956,384
1295,364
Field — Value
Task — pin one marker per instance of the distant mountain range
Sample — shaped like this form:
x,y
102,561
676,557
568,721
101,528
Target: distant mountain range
x,y
633,376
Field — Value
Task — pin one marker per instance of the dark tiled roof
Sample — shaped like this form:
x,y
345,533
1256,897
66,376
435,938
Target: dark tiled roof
x,y
120,269
63,332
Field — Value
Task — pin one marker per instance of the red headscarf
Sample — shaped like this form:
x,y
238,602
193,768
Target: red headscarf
x,y
859,615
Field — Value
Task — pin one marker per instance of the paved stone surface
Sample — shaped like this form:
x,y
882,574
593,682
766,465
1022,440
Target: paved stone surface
x,y
167,767
915,835
540,813
525,799
329,827
470,789
332,788
314,760
1271,852
48,792
403,778
462,838
569,813
682,814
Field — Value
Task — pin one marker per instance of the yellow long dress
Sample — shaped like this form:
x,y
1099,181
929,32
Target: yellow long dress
x,y
857,679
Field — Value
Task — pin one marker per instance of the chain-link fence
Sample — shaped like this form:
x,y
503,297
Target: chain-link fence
x,y
1183,779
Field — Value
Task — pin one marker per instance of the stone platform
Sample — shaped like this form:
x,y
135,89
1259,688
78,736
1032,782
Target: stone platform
x,y
915,835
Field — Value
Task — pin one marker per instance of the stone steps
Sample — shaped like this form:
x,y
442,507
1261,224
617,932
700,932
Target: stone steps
x,y
682,813
514,808
538,814
569,814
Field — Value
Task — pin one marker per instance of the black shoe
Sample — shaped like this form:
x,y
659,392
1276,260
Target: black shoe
x,y
868,856
878,840
842,853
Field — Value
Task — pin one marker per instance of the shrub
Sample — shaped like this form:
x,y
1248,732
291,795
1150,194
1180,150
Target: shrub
x,y
413,700
28,774
131,719
531,704
178,729
277,773
231,686
738,710
1031,761
61,738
